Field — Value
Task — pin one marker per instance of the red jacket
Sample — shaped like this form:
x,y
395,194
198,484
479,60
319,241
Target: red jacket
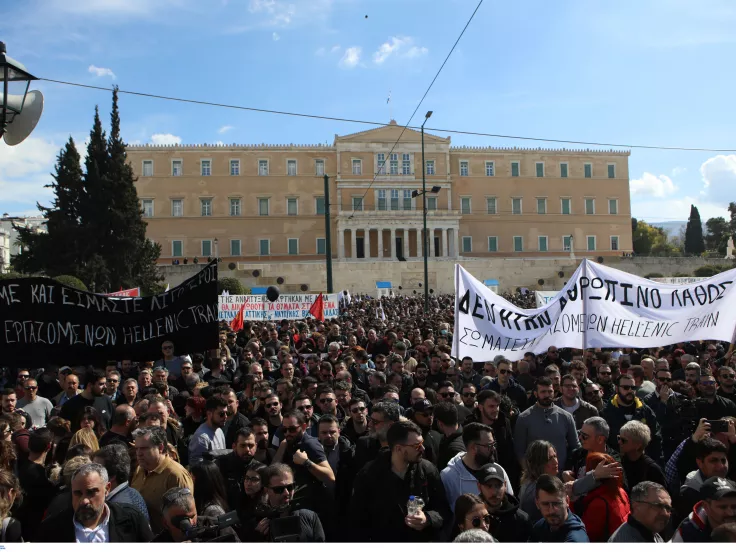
x,y
604,506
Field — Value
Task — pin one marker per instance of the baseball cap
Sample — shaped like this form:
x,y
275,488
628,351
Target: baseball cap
x,y
715,488
490,471
422,405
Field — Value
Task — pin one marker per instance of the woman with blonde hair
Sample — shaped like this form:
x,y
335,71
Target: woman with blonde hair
x,y
10,530
85,436
541,458
63,477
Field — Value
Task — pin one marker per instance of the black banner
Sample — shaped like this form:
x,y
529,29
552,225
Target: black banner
x,y
45,322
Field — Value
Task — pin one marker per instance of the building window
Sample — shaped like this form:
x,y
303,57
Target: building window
x,y
563,170
319,167
541,206
590,206
490,168
516,206
394,200
566,205
263,167
430,168
407,200
566,243
613,206
206,248
394,163
518,244
147,207
381,163
235,209
491,206
293,246
357,166
234,167
263,206
614,243
206,166
264,247
291,167
177,207
464,171
591,243
405,164
235,250
611,170
292,206
588,170
206,207
177,248
542,240
431,204
321,246
540,169
467,244
176,167
319,205
148,168
492,244
381,200
515,168
357,204
465,205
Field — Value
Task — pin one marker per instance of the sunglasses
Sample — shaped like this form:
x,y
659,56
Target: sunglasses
x,y
627,387
358,409
665,380
469,394
417,446
326,400
167,348
304,407
252,479
478,521
728,376
113,381
272,405
504,371
279,489
707,382
23,376
291,429
604,373
622,440
447,395
583,436
30,388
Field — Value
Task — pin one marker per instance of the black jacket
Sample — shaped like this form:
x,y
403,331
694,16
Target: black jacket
x,y
348,431
509,523
449,448
366,450
504,437
126,525
239,422
378,505
233,469
615,415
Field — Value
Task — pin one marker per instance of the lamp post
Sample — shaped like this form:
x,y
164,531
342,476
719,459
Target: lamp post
x,y
424,220
11,105
217,256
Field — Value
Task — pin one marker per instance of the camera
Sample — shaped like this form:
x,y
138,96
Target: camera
x,y
208,529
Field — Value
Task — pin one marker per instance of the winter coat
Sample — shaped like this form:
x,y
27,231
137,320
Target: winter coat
x,y
695,527
513,390
449,447
633,531
603,511
584,411
510,523
126,525
572,530
688,497
457,480
617,416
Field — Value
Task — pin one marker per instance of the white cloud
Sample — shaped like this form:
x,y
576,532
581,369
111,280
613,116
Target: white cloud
x,y
652,185
275,37
335,49
398,46
351,58
25,170
320,52
416,51
719,176
101,71
165,139
224,129
677,171
280,14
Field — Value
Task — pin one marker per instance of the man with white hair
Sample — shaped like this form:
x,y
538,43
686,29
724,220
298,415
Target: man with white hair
x,y
633,439
91,519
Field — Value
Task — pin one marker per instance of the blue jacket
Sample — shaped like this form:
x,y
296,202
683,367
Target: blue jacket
x,y
125,494
573,530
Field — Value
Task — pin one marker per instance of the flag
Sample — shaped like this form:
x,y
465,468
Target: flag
x,y
380,313
167,288
225,293
237,324
389,97
318,308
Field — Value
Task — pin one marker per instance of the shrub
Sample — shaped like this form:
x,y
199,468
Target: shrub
x,y
653,275
681,275
11,275
231,285
710,270
71,281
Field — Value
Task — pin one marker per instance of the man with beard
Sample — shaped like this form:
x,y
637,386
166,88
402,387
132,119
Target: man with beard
x,y
234,465
570,402
717,508
559,524
504,384
460,475
340,456
235,420
306,457
508,522
209,436
383,416
594,396
726,380
467,373
711,406
422,414
451,442
421,376
378,509
604,379
546,421
356,426
436,375
664,402
626,406
93,395
90,519
264,454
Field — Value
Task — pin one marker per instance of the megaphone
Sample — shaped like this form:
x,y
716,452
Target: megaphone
x,y
22,122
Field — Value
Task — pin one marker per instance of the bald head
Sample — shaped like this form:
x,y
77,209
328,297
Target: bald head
x,y
123,416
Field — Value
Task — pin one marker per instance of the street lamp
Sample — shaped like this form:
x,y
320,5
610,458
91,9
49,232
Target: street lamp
x,y
424,219
217,256
19,112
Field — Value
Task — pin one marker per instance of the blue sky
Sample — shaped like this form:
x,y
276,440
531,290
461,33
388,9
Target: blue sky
x,y
631,72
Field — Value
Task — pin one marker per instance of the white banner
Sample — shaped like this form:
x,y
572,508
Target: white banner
x,y
286,307
679,281
544,297
598,307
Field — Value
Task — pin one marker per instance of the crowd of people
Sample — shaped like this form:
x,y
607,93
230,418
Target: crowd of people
x,y
365,429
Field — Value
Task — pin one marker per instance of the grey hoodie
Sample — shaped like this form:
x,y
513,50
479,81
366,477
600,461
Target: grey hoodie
x,y
551,424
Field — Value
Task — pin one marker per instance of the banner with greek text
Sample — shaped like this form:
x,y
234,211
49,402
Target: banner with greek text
x,y
544,297
45,322
133,292
286,307
598,307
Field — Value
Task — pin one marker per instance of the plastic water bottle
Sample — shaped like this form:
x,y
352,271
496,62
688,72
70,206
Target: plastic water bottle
x,y
414,506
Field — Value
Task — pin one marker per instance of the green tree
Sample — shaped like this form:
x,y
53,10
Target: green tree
x,y
732,223
694,244
651,240
717,232
71,281
231,285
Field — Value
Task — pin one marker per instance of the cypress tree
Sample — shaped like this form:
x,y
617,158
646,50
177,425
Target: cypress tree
x,y
694,244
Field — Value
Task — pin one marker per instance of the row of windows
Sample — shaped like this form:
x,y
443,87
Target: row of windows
x,y
542,243
517,206
236,247
539,169
236,207
205,167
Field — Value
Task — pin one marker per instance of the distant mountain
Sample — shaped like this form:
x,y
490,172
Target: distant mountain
x,y
673,228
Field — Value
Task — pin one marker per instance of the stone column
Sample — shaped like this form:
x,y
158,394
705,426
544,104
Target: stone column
x,y
380,243
419,243
456,232
341,243
367,243
393,244
444,252
353,243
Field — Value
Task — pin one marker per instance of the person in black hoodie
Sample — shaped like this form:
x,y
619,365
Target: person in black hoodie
x,y
451,443
378,509
508,522
234,465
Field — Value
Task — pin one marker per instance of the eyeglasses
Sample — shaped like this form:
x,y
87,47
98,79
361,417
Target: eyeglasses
x,y
488,445
279,489
113,381
583,436
627,387
252,479
272,405
728,376
291,429
327,400
469,394
30,387
358,409
478,520
622,440
447,395
416,446
664,507
305,407
665,380
503,371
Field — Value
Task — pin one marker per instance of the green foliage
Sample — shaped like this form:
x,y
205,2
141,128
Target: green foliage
x,y
652,241
681,275
11,275
694,244
717,233
231,285
654,275
71,281
710,270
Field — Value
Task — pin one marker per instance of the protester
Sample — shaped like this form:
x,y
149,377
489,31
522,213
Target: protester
x,y
558,523
650,514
